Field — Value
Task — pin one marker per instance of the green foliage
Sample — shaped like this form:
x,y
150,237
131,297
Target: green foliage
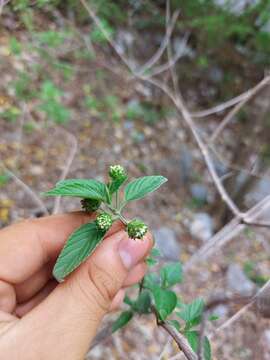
x,y
4,179
85,239
51,105
122,320
140,187
98,36
171,274
77,248
165,302
83,188
252,273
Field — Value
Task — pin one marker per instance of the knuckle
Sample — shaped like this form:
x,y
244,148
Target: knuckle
x,y
89,298
105,282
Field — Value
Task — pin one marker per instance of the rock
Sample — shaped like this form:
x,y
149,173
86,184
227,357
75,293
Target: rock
x,y
238,282
259,191
199,192
265,343
202,226
216,74
220,310
167,243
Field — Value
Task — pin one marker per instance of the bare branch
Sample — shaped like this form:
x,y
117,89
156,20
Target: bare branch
x,y
72,153
26,189
250,94
155,58
239,313
180,340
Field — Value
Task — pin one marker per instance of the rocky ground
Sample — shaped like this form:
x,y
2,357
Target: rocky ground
x,y
180,215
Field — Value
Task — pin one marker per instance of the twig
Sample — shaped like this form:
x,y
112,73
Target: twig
x,y
239,313
72,153
155,58
180,340
26,189
169,64
221,107
250,94
2,4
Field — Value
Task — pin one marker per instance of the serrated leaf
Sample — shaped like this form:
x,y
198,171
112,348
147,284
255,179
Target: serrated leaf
x,y
81,243
116,184
151,281
83,188
193,339
143,303
165,301
207,352
122,320
142,186
192,311
171,274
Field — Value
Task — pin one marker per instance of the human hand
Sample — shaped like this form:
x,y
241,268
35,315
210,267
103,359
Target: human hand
x,y
41,319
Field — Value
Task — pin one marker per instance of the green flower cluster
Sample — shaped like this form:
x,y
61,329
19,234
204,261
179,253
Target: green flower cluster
x,y
117,172
136,229
104,221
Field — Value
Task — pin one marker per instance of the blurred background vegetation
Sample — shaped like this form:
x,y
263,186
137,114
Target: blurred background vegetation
x,y
64,90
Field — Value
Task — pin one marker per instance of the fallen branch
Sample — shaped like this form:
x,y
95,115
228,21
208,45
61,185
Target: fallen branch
x,y
72,153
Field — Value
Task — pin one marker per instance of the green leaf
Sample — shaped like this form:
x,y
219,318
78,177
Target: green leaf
x,y
151,281
142,186
192,311
128,301
150,261
193,339
143,303
78,247
155,252
116,184
213,317
165,301
207,352
122,320
171,274
83,188
175,324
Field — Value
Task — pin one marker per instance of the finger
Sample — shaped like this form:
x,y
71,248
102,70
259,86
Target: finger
x,y
27,246
24,308
30,287
135,275
117,300
80,302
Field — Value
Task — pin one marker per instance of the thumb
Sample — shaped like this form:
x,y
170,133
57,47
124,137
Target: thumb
x,y
74,310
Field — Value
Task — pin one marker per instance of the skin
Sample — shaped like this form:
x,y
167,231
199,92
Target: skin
x,y
41,319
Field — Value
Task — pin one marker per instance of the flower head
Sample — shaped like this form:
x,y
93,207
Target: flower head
x,y
117,172
136,229
104,221
90,205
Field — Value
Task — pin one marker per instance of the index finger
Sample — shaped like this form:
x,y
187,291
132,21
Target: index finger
x,y
28,245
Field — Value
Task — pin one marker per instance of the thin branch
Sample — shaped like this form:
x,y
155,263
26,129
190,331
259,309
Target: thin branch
x,y
251,93
227,233
239,313
180,340
221,107
26,189
169,64
155,58
72,153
